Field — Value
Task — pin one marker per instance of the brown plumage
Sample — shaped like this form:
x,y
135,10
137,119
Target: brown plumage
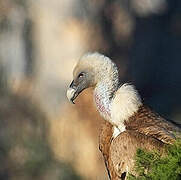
x,y
145,129
129,123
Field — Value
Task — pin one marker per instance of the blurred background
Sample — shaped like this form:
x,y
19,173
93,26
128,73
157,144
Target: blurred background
x,y
42,135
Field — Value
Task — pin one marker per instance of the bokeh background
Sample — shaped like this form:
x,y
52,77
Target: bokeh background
x,y
43,136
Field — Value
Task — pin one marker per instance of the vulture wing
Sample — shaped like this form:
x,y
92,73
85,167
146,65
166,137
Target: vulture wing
x,y
119,153
149,123
145,129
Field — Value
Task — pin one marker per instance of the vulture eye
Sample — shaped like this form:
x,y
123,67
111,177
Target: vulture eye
x,y
80,75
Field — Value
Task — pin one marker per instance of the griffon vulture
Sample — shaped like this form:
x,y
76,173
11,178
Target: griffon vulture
x,y
129,123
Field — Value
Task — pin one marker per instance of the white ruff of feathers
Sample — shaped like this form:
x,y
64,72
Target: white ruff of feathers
x,y
125,103
115,104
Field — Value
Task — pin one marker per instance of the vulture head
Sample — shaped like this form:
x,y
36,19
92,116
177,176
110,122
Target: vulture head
x,y
91,70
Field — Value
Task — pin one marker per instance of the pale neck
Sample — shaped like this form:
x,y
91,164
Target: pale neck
x,y
106,89
103,94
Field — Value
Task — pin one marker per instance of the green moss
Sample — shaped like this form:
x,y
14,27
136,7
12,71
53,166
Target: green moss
x,y
153,166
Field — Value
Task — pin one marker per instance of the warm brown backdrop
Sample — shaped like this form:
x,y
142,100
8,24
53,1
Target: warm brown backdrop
x,y
42,135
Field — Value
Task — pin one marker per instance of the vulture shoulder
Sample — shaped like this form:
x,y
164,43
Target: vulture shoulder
x,y
150,124
146,130
123,150
119,153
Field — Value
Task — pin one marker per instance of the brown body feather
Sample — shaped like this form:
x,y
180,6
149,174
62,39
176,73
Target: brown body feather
x,y
145,129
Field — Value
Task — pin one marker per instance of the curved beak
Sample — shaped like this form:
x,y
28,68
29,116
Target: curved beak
x,y
75,88
72,92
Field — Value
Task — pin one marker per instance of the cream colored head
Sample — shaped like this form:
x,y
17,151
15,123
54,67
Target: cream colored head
x,y
91,69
